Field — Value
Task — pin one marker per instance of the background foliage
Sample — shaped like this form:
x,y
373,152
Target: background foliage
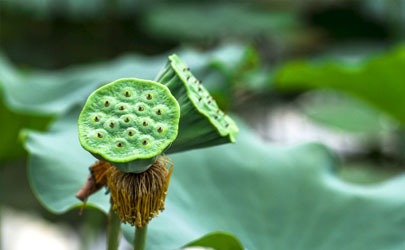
x,y
292,72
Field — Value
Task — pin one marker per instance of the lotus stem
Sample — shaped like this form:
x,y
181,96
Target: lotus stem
x,y
140,238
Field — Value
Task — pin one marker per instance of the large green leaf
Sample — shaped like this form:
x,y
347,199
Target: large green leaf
x,y
217,241
10,125
343,112
273,198
268,196
378,80
58,166
55,92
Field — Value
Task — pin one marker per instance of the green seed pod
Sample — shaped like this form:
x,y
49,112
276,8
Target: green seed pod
x,y
129,122
202,123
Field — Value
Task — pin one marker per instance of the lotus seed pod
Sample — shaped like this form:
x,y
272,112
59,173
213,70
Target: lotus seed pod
x,y
202,123
129,122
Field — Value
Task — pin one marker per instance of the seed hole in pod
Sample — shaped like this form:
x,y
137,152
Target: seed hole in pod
x,y
199,99
199,89
218,111
159,112
149,97
120,144
126,119
127,94
130,133
145,142
226,125
140,108
122,108
216,117
160,130
188,77
99,135
107,103
145,123
209,102
112,124
200,81
96,119
188,69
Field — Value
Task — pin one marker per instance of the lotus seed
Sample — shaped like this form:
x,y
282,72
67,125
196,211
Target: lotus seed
x,y
130,133
127,94
99,135
96,119
127,119
160,130
144,142
145,124
111,124
149,97
122,108
107,103
119,144
159,112
140,108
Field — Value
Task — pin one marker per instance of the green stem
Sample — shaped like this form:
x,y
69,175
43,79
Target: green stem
x,y
140,238
113,231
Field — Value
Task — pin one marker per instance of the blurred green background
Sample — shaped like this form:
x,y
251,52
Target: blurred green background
x,y
294,71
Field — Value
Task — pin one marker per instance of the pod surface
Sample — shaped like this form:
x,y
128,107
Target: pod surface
x,y
129,119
